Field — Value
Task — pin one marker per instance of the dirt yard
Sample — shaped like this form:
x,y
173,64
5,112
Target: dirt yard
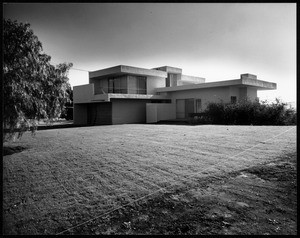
x,y
193,180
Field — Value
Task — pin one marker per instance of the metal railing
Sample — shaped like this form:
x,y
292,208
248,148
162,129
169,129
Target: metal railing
x,y
106,90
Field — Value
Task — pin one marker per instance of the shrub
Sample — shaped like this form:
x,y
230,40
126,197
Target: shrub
x,y
215,113
248,112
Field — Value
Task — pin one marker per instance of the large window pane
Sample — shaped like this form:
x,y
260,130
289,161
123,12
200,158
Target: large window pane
x,y
111,85
132,84
123,84
136,84
117,85
127,84
141,85
103,86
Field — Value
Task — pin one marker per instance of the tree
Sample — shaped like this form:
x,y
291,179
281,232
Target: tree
x,y
68,111
33,89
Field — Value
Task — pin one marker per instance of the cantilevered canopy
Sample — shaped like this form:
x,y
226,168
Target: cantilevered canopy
x,y
123,69
259,84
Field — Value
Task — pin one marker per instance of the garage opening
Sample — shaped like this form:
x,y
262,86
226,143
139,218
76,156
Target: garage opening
x,y
99,114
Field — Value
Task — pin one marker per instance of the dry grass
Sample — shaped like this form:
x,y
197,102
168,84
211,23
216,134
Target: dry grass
x,y
67,176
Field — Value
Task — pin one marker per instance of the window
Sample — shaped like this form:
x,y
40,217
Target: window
x,y
111,85
141,85
198,105
117,85
103,86
137,85
233,99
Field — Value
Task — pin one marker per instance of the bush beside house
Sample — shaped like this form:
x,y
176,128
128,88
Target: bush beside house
x,y
247,113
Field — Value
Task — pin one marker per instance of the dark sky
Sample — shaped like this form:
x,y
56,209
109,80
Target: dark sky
x,y
217,41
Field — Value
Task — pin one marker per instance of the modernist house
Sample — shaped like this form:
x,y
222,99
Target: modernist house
x,y
125,94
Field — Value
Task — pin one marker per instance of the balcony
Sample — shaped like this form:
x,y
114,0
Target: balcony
x,y
107,90
86,94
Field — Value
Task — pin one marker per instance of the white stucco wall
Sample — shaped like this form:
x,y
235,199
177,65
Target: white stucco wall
x,y
155,82
83,93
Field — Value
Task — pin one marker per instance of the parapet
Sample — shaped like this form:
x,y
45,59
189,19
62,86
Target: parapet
x,y
248,76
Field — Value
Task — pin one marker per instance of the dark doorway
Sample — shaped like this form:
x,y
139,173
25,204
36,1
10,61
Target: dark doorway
x,y
189,107
99,114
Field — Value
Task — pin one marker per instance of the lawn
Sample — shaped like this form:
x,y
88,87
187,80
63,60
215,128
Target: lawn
x,y
64,177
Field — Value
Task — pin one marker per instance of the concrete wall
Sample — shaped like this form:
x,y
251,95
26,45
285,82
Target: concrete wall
x,y
242,93
160,111
251,93
166,111
151,113
80,114
186,79
83,93
143,72
155,82
234,91
103,72
215,94
172,79
248,76
247,93
206,95
124,69
259,83
170,69
128,111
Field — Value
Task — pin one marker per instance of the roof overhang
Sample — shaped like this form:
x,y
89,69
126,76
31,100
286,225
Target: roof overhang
x,y
169,69
125,70
133,96
259,84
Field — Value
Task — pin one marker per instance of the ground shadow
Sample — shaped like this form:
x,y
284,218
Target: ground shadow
x,y
9,150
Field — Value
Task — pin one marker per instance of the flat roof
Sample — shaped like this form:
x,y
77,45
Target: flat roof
x,y
124,69
259,84
169,69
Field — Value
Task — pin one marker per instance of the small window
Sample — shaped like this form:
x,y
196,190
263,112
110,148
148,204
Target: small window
x,y
233,99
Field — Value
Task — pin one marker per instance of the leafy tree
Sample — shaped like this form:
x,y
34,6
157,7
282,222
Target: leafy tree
x,y
33,89
68,110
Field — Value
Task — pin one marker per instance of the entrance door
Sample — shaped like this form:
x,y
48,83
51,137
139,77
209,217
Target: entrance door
x,y
189,106
180,108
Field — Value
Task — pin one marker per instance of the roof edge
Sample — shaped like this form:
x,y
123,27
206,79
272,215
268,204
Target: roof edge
x,y
125,69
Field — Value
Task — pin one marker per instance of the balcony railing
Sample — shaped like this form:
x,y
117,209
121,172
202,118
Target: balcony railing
x,y
106,90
